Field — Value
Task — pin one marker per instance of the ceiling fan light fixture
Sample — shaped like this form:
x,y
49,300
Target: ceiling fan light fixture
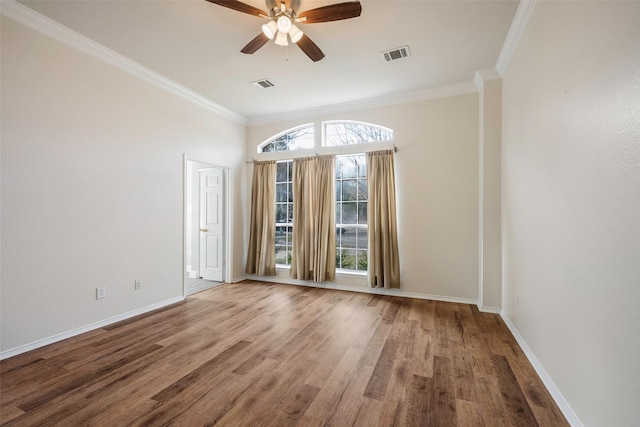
x,y
295,33
270,29
284,24
281,39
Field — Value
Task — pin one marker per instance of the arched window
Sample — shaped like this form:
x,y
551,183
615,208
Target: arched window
x,y
297,138
346,132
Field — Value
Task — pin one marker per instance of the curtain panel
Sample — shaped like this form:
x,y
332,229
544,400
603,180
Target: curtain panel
x,y
314,223
384,262
261,256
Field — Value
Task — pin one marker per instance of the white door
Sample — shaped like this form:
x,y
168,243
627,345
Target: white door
x,y
211,224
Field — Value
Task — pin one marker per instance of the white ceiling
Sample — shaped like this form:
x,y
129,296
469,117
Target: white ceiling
x,y
197,44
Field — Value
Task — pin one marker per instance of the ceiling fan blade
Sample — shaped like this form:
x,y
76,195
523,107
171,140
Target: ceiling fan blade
x,y
333,12
310,48
240,7
255,44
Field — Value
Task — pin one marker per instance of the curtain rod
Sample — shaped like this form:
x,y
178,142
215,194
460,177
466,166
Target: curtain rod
x,y
253,160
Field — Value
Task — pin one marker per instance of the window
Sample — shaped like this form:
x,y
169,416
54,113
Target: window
x,y
284,212
350,187
351,213
293,139
349,132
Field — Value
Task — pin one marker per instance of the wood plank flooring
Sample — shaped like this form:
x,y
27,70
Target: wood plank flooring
x,y
264,354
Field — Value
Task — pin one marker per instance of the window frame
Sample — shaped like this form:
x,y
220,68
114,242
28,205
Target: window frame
x,y
288,237
357,226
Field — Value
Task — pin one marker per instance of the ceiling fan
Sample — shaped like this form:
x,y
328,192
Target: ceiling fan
x,y
282,20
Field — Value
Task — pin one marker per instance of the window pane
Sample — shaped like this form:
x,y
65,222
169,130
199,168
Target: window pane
x,y
282,193
290,170
349,190
362,189
338,213
346,258
281,171
362,167
281,236
347,132
338,167
349,237
267,148
338,190
349,213
283,256
362,213
362,238
290,212
281,212
289,235
362,260
349,167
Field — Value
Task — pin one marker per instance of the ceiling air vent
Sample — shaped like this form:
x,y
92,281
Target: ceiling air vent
x,y
263,84
397,53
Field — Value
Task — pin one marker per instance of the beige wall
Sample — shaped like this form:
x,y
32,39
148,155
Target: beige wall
x,y
437,190
489,189
571,202
92,187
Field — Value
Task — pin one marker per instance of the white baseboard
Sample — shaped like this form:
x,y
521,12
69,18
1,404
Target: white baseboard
x,y
238,279
202,286
487,309
90,327
562,403
367,290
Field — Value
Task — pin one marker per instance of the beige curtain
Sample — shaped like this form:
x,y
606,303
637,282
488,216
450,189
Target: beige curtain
x,y
384,263
261,258
314,222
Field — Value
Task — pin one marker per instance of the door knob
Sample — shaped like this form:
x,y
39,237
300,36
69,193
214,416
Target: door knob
x,y
203,229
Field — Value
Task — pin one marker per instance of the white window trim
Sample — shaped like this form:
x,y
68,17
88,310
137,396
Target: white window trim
x,y
340,150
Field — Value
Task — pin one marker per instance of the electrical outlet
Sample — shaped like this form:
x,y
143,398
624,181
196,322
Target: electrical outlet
x,y
138,285
100,293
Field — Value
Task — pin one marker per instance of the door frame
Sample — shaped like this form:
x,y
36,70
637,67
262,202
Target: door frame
x,y
227,220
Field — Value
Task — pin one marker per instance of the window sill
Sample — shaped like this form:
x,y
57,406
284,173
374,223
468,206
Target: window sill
x,y
339,271
354,273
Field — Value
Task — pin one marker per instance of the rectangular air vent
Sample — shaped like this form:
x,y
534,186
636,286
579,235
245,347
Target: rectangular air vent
x,y
263,84
397,53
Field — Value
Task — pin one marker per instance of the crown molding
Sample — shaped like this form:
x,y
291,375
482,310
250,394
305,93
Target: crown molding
x,y
405,98
38,22
485,75
519,23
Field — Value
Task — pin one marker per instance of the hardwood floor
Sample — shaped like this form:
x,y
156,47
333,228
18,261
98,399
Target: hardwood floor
x,y
256,353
